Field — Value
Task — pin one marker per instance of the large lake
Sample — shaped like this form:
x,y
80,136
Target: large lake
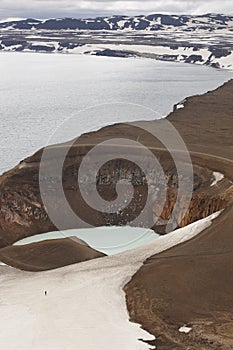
x,y
39,91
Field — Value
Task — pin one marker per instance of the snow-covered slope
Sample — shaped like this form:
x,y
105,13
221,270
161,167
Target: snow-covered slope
x,y
85,304
202,56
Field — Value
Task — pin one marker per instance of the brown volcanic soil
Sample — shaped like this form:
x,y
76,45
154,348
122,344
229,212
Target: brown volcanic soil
x,y
192,283
206,122
49,254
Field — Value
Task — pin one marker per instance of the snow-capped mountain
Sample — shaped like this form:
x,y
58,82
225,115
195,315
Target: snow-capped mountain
x,y
154,22
205,39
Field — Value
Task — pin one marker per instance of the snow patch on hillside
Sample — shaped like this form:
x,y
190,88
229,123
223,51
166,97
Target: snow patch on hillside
x,y
217,177
185,329
225,62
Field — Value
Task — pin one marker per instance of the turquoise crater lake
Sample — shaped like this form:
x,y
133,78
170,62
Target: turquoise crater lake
x,y
108,240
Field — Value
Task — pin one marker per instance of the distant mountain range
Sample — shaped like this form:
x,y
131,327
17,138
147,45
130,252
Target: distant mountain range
x,y
205,39
154,22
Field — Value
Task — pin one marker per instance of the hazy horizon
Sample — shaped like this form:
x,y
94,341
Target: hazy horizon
x,y
114,14
43,9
